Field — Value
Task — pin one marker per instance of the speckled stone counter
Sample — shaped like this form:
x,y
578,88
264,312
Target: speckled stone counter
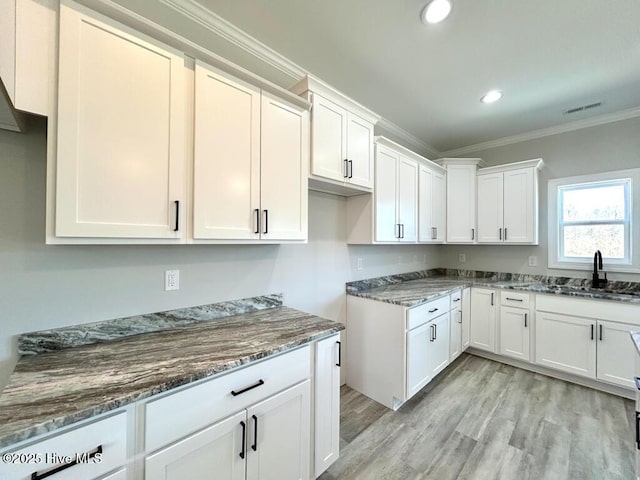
x,y
51,390
415,288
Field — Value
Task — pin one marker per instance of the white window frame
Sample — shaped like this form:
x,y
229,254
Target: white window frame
x,y
626,265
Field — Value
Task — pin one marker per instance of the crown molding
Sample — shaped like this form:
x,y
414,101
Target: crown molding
x,y
221,27
545,132
409,139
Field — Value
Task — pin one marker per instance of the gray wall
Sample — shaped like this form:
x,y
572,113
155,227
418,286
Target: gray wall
x,y
615,146
44,286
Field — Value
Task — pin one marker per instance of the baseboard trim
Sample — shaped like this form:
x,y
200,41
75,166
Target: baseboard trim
x,y
532,367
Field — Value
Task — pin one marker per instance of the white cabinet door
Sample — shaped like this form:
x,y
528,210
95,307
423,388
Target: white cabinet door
x,y
616,354
483,319
439,205
520,197
490,208
329,142
466,318
426,228
419,341
226,176
514,333
566,343
359,151
407,194
327,403
284,150
386,175
121,144
461,203
439,347
278,436
455,348
217,452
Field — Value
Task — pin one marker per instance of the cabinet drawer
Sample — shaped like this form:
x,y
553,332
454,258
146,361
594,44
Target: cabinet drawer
x,y
514,299
98,447
456,300
179,414
422,314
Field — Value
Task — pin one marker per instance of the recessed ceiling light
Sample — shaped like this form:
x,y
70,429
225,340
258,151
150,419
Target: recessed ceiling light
x,y
491,96
436,11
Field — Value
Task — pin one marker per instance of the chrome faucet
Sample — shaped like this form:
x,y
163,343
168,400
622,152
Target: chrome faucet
x,y
598,282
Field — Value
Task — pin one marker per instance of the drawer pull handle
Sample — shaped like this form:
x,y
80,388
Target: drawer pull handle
x,y
434,310
254,447
246,389
79,457
339,364
244,437
456,299
514,299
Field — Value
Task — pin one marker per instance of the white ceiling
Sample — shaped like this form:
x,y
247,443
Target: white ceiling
x,y
546,55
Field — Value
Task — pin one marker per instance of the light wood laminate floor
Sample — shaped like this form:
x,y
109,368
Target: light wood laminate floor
x,y
485,420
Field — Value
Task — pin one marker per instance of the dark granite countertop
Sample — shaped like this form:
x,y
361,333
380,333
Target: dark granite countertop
x,y
54,389
416,288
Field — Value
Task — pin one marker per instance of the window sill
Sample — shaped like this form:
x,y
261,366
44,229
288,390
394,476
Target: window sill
x,y
589,267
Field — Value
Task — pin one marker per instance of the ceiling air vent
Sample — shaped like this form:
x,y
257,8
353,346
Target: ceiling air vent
x,y
583,108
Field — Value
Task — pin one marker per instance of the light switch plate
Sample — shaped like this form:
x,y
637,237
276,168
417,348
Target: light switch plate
x,y
462,257
533,261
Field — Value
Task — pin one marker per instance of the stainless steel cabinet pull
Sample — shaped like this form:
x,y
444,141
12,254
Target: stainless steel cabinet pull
x,y
514,299
89,455
431,336
460,319
435,332
434,310
505,234
456,299
434,233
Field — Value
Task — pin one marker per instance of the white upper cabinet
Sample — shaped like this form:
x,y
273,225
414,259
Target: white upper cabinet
x,y
284,148
250,154
341,140
121,141
508,203
461,199
226,171
27,35
431,204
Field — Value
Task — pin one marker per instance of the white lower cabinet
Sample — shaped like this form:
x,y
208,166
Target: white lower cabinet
x,y
439,345
418,365
455,333
459,318
566,343
616,354
483,323
515,326
327,403
218,452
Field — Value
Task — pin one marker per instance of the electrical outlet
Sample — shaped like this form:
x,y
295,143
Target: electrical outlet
x,y
359,263
462,257
533,261
171,280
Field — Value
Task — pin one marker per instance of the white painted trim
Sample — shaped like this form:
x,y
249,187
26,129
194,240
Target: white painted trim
x,y
411,140
380,140
221,27
552,221
545,132
535,163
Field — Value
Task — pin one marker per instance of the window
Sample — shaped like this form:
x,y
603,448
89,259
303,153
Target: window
x,y
594,213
